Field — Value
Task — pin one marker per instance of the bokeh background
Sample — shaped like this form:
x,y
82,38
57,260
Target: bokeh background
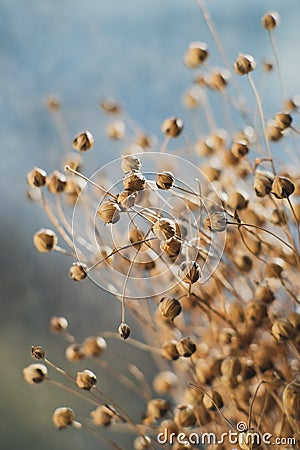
x,y
82,51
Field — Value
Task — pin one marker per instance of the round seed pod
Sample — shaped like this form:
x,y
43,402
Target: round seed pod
x,y
37,352
186,347
268,65
37,177
86,379
169,351
291,104
240,148
294,320
262,184
74,352
116,130
124,331
135,237
78,271
231,366
157,408
142,442
255,312
169,428
270,20
185,416
94,346
144,140
57,182
237,201
169,308
196,54
282,330
283,121
212,173
291,400
282,187
218,80
207,369
264,294
273,270
205,147
102,416
189,272
243,261
215,222
110,106
171,247
164,229
278,217
273,133
164,382
247,372
172,127
109,212
134,181
165,180
35,373
62,417
126,200
213,401
45,240
58,324
244,64
83,141
130,163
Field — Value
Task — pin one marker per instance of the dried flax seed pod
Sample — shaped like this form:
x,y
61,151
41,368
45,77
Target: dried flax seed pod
x,y
37,177
109,212
169,308
273,270
243,261
171,247
116,130
264,294
184,416
244,64
86,379
157,408
268,65
74,352
273,133
255,312
237,201
126,200
57,182
164,229
215,222
35,373
218,80
83,141
102,416
169,351
278,217
186,347
282,187
230,366
78,271
172,127
110,106
291,400
189,272
282,330
165,180
164,382
45,240
270,20
37,352
58,324
130,163
249,440
240,148
283,121
196,54
294,319
169,428
213,401
124,331
142,443
94,346
62,417
262,184
134,181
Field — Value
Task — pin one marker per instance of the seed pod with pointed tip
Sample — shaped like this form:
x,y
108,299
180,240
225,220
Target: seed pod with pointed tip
x,y
169,308
213,401
244,64
109,212
35,373
282,330
134,181
186,347
130,163
83,141
291,400
169,351
58,324
94,346
37,352
196,54
62,417
273,270
282,187
262,184
37,177
126,200
185,416
171,247
86,379
189,272
57,182
270,20
78,271
165,180
45,240
172,127
102,416
164,229
124,331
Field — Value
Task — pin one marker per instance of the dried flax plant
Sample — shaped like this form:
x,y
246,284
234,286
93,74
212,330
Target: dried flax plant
x,y
201,251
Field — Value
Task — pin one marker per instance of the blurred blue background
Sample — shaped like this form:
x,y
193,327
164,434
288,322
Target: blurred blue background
x,y
83,51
